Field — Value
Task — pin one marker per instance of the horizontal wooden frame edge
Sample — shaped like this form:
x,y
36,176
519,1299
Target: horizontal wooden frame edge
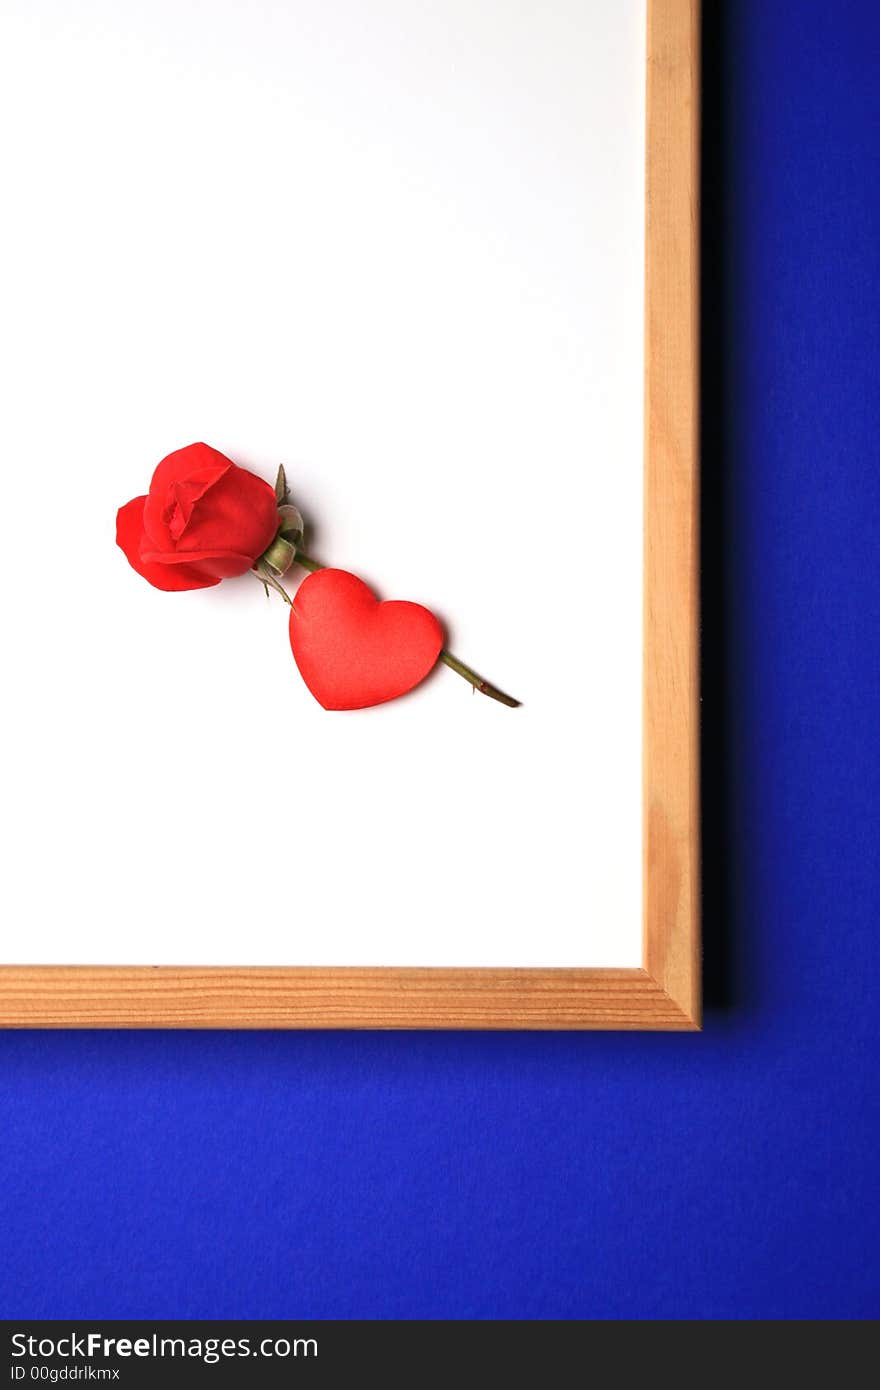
x,y
312,997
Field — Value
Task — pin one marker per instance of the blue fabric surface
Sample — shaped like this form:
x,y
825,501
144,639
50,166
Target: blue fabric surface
x,y
728,1175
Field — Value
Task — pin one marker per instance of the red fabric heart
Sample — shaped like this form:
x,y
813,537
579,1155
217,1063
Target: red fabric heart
x,y
353,651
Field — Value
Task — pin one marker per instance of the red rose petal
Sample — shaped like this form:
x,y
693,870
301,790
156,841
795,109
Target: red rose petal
x,y
202,504
170,577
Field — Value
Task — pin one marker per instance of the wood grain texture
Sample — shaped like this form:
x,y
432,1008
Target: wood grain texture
x,y
663,995
171,997
671,656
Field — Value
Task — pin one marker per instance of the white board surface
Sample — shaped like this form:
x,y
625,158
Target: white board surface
x,y
398,247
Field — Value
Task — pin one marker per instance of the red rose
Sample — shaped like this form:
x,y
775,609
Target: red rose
x,y
203,520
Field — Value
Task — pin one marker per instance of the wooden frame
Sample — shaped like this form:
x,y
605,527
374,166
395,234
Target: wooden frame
x,y
665,993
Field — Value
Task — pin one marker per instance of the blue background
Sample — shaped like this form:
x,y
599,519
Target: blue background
x,y
732,1174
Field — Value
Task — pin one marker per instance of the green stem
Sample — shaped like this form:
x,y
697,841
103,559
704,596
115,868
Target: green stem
x,y
477,682
308,563
484,687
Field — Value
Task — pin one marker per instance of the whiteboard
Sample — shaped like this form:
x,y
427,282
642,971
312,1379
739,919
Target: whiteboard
x,y
398,247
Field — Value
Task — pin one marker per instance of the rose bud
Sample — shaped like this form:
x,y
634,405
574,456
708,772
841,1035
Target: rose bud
x,y
203,520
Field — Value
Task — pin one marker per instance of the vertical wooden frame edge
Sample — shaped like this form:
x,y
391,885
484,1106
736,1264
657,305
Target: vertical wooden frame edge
x,y
671,674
